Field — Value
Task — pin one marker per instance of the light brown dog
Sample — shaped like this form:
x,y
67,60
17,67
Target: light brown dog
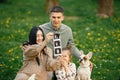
x,y
85,68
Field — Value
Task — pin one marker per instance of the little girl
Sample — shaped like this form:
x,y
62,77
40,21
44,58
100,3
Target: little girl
x,y
68,68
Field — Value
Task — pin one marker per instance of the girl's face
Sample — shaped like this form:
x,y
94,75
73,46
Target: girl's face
x,y
39,37
65,55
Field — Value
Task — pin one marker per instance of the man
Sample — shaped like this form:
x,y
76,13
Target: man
x,y
62,31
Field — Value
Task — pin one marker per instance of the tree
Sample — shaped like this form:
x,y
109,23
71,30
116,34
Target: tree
x,y
50,4
105,8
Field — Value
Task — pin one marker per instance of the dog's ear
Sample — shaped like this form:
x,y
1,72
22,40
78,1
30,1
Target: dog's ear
x,y
90,55
81,52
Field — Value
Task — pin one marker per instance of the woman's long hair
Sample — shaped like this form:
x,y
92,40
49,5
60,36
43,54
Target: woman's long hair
x,y
32,39
33,33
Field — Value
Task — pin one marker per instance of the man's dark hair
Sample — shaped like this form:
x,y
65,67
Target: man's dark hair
x,y
57,9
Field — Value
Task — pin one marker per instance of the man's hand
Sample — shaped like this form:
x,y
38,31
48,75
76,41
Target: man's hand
x,y
91,66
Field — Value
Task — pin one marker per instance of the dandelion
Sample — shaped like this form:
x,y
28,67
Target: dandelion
x,y
1,65
91,38
23,20
12,59
98,72
8,20
98,34
94,50
10,51
106,54
29,12
101,29
104,46
102,50
89,34
98,39
118,59
17,57
107,70
113,49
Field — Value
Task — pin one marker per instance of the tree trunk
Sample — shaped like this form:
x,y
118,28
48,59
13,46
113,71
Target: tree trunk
x,y
50,4
105,8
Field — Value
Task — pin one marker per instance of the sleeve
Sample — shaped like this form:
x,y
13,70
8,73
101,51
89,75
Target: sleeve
x,y
52,64
74,49
30,51
34,50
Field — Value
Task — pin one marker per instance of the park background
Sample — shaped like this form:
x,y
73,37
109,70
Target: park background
x,y
91,33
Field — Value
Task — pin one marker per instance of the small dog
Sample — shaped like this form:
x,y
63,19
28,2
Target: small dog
x,y
85,68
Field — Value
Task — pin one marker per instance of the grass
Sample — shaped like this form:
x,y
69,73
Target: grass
x,y
101,36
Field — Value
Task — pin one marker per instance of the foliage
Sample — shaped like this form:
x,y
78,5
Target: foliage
x,y
101,36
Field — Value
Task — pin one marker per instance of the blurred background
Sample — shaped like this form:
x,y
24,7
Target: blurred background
x,y
95,25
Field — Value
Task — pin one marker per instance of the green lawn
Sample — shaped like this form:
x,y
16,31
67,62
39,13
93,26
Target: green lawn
x,y
101,36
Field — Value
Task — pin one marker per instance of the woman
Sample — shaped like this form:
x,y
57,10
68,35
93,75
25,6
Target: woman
x,y
37,57
68,68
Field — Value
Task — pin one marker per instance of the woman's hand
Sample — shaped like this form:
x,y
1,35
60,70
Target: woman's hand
x,y
49,36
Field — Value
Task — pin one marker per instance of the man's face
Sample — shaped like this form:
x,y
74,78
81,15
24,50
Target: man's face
x,y
56,19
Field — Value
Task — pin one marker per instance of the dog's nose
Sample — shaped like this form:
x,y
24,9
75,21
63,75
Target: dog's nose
x,y
80,60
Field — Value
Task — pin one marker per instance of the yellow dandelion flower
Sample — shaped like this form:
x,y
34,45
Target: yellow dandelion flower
x,y
1,64
89,34
106,54
91,38
29,12
12,59
118,39
118,59
8,20
104,46
113,49
107,70
102,50
98,34
23,20
98,72
10,50
17,57
101,29
98,39
94,50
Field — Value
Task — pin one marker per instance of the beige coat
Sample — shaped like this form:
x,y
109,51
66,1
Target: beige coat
x,y
30,65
